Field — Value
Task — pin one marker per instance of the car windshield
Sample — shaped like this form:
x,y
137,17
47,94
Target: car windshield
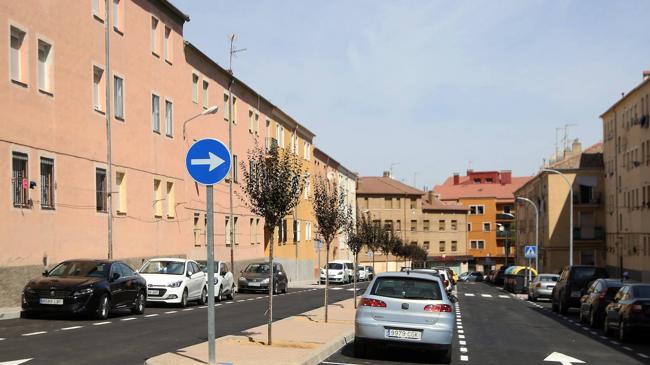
x,y
548,278
641,291
584,273
81,268
407,288
163,267
335,266
258,268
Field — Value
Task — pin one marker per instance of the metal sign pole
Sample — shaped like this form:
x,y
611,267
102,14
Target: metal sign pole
x,y
210,259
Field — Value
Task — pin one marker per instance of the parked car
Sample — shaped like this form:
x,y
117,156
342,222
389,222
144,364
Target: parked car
x,y
371,272
499,276
488,276
599,294
542,286
442,274
256,277
629,312
451,274
572,285
362,273
174,281
224,282
339,271
464,275
409,309
86,287
472,277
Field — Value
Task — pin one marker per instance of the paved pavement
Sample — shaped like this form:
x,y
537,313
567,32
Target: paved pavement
x,y
131,339
496,327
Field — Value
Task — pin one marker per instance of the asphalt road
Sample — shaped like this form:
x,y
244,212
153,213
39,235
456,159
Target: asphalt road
x,y
131,339
499,328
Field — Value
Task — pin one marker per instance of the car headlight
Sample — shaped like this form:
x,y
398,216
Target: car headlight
x,y
175,284
242,279
29,289
84,291
265,281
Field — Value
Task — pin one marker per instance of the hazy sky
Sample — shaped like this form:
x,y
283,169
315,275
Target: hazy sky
x,y
433,85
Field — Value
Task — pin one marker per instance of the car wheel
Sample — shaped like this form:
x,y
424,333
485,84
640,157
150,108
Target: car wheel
x,y
138,308
623,331
563,307
275,289
183,302
231,295
581,316
360,348
533,298
593,321
219,296
103,307
204,296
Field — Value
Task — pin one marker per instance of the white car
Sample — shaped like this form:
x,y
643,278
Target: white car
x,y
339,271
224,282
174,280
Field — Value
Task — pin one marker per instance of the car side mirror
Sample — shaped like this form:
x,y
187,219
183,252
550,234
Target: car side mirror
x,y
45,273
115,276
189,274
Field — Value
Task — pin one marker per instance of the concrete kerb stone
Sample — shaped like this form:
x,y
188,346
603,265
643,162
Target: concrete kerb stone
x,y
328,349
10,313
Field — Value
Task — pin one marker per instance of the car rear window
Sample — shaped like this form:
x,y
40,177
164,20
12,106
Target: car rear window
x,y
641,291
586,273
548,279
611,291
407,288
334,266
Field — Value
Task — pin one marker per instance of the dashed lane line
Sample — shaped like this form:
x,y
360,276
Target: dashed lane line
x,y
171,312
151,315
643,355
70,328
504,296
469,294
486,295
464,358
463,349
33,333
627,348
100,323
128,319
462,343
188,309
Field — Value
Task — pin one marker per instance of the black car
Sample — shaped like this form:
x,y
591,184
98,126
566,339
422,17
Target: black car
x,y
629,312
256,278
572,285
499,276
91,287
599,294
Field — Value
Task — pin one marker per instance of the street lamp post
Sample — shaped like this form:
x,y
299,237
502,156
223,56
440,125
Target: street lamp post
x,y
210,254
570,211
507,246
536,236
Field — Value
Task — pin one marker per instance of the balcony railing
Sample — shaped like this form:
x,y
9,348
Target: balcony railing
x,y
579,233
506,234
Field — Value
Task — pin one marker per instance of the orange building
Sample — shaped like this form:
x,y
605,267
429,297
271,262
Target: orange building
x,y
489,197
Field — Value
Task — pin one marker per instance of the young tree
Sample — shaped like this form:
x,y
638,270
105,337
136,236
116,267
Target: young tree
x,y
387,241
273,183
352,229
330,210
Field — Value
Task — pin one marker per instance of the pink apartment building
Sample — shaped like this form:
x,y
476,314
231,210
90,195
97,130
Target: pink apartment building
x,y
53,138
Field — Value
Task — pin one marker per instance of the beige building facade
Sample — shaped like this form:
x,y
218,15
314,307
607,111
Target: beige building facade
x,y
550,192
418,218
626,136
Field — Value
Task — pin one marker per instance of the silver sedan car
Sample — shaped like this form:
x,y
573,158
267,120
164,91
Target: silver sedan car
x,y
542,286
405,309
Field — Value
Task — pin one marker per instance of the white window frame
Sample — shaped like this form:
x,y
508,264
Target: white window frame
x,y
153,121
154,43
195,87
205,89
489,224
115,114
169,120
45,77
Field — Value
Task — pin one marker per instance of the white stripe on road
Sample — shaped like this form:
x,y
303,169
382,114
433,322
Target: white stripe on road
x,y
627,348
464,358
461,336
259,297
486,295
460,327
171,312
128,319
240,300
614,343
461,342
70,328
469,294
603,337
203,306
151,315
336,288
463,349
504,296
2,339
642,355
461,331
34,333
100,323
218,304
188,309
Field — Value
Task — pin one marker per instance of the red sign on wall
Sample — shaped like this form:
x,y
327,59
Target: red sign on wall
x,y
25,184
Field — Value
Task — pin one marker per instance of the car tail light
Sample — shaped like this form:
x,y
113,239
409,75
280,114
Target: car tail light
x,y
446,282
538,285
637,308
438,308
367,302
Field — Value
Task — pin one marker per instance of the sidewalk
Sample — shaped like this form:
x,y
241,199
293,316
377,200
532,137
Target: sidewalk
x,y
301,339
304,284
9,313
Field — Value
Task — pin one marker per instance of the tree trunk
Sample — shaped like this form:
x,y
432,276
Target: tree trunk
x,y
386,261
373,260
270,323
327,274
354,285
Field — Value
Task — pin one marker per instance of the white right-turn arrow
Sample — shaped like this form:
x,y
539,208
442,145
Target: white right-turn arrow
x,y
15,362
213,161
563,359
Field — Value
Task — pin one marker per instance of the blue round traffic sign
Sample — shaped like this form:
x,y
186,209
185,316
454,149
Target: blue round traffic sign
x,y
208,161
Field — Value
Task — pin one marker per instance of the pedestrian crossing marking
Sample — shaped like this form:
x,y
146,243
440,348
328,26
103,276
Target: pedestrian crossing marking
x,y
469,294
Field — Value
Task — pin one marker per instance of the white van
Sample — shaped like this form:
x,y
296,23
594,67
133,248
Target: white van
x,y
339,271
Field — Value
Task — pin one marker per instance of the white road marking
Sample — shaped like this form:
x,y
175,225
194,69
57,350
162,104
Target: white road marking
x,y
100,323
188,309
571,321
642,355
461,336
460,327
259,297
203,306
2,339
603,337
463,349
250,299
593,333
504,296
70,328
464,358
461,342
151,315
34,333
461,331
614,343
171,312
240,300
15,362
486,295
128,319
469,294
627,348
337,288
218,304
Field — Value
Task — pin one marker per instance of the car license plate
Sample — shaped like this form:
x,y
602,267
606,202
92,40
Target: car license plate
x,y
253,284
576,294
403,334
153,292
51,301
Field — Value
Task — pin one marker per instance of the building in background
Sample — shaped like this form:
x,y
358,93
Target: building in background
x,y
626,135
489,198
418,218
326,167
550,192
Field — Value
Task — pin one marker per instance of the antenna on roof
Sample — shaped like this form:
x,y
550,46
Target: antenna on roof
x,y
391,167
233,50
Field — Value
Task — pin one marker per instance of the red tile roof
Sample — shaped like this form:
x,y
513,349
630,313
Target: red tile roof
x,y
377,185
468,189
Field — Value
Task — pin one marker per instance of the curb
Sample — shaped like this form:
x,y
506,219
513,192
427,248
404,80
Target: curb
x,y
328,349
10,315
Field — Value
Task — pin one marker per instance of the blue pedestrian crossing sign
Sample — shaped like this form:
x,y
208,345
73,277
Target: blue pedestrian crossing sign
x,y
530,252
208,161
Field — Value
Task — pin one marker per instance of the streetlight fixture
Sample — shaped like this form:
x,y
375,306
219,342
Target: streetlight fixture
x,y
211,110
570,211
536,235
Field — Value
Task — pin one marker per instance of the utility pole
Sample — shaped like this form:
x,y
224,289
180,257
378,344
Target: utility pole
x,y
109,157
231,234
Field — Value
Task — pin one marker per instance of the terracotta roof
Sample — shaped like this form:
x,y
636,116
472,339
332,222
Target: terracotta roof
x,y
377,185
468,189
438,205
591,158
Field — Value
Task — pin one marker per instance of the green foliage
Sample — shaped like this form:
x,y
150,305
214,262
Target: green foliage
x,y
329,208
